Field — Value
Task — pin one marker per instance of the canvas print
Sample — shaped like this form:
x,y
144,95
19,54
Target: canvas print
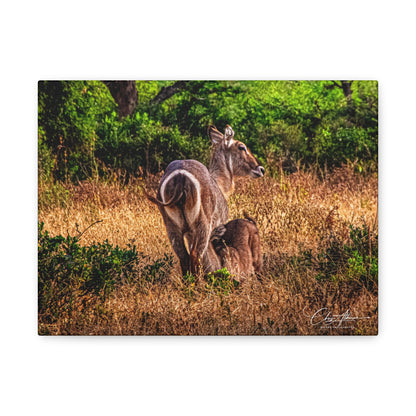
x,y
207,207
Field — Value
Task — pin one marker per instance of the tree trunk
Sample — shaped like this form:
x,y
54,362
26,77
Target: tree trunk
x,y
346,89
125,95
345,86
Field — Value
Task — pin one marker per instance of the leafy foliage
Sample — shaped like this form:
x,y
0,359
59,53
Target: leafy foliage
x,y
355,261
141,142
311,122
69,275
221,282
69,115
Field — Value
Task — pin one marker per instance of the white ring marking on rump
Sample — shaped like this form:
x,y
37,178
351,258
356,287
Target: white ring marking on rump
x,y
174,213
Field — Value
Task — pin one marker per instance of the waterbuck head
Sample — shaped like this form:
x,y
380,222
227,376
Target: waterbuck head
x,y
237,158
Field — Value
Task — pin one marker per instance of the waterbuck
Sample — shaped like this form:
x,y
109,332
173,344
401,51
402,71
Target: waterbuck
x,y
237,244
192,198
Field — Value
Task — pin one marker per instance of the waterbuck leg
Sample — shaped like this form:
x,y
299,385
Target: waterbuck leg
x,y
175,236
211,261
180,250
202,254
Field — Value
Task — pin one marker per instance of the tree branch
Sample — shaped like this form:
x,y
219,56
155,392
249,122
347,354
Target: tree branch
x,y
81,233
167,92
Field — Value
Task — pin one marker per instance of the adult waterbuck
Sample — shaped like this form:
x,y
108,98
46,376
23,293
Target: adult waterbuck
x,y
192,198
237,244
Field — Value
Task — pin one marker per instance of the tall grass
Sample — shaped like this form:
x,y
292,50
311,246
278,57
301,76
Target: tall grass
x,y
319,242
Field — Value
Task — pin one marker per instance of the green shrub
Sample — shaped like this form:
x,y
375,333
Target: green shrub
x,y
337,144
140,142
310,122
67,272
221,282
69,113
157,271
354,261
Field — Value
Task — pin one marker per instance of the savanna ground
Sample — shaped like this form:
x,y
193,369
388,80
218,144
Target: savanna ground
x,y
319,241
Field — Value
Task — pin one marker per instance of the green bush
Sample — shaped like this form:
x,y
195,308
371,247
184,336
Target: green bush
x,y
310,122
355,261
69,113
140,142
281,119
221,282
343,144
157,271
67,271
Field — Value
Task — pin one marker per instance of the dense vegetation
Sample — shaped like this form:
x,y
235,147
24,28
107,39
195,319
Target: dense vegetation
x,y
70,274
285,123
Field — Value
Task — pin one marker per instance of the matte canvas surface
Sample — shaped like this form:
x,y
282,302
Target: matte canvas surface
x,y
208,208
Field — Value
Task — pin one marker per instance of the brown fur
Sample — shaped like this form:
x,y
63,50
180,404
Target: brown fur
x,y
237,244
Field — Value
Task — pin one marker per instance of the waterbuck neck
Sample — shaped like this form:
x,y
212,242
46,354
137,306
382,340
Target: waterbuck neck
x,y
220,169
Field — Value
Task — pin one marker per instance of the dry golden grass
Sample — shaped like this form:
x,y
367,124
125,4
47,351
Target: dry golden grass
x,y
296,211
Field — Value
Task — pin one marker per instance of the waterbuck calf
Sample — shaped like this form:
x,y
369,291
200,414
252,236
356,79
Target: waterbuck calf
x,y
192,198
237,244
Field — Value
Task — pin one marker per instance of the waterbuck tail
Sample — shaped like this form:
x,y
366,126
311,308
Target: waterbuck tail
x,y
175,198
250,219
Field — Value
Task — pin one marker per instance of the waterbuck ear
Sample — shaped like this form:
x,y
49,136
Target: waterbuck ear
x,y
228,135
215,136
